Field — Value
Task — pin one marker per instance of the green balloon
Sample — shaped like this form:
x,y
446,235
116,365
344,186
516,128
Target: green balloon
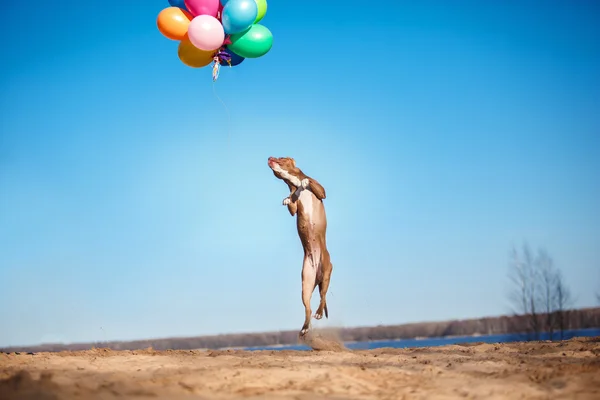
x,y
262,9
252,43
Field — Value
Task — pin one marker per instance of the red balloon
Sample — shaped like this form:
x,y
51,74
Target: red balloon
x,y
220,12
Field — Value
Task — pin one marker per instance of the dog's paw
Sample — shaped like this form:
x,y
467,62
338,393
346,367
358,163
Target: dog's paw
x,y
305,182
304,329
318,315
287,201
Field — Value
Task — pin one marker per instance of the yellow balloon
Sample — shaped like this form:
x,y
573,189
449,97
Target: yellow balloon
x,y
262,10
192,56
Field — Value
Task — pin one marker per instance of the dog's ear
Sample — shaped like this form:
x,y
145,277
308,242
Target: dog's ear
x,y
316,188
293,162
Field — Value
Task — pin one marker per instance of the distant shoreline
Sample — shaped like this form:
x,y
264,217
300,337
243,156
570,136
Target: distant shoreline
x,y
576,319
438,341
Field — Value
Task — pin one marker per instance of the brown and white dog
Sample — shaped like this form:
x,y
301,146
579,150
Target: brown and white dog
x,y
306,201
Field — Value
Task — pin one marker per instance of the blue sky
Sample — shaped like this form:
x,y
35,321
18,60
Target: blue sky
x,y
443,132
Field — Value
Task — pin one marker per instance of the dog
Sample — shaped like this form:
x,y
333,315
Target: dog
x,y
305,201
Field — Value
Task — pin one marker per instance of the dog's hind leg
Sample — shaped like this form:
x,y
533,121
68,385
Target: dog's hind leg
x,y
309,277
327,268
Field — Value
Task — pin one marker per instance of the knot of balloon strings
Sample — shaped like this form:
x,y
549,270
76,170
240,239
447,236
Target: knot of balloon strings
x,y
216,68
221,57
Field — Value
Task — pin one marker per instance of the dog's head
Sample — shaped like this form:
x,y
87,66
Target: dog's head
x,y
284,168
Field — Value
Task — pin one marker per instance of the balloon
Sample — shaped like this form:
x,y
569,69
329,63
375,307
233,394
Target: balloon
x,y
235,59
178,3
173,22
238,15
253,43
192,56
262,9
202,7
223,2
206,32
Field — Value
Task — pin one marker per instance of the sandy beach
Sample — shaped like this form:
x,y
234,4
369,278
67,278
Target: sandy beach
x,y
540,370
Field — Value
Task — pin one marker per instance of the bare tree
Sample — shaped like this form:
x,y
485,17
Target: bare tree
x,y
548,293
524,296
540,293
563,302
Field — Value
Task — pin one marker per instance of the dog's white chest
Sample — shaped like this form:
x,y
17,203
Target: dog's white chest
x,y
307,200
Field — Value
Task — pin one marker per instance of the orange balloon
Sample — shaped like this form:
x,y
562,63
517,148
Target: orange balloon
x,y
192,56
173,22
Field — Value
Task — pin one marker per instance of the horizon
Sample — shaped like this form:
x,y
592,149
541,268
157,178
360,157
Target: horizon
x,y
134,204
33,346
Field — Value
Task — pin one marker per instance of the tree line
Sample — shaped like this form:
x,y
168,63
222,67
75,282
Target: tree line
x,y
573,319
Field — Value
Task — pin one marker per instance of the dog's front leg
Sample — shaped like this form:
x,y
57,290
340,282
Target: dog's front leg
x,y
291,200
291,205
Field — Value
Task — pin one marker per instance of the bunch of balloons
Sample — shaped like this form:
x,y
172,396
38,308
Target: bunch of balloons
x,y
223,32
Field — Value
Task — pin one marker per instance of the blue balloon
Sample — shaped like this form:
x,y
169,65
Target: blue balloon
x,y
178,3
223,2
238,15
235,59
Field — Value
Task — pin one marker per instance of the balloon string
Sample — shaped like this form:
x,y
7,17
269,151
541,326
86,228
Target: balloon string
x,y
228,114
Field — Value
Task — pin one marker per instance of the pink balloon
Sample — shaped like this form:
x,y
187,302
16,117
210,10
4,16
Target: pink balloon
x,y
206,33
203,7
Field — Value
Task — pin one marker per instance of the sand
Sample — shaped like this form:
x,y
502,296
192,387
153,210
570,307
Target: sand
x,y
540,370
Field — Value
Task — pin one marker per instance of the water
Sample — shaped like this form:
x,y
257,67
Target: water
x,y
440,341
